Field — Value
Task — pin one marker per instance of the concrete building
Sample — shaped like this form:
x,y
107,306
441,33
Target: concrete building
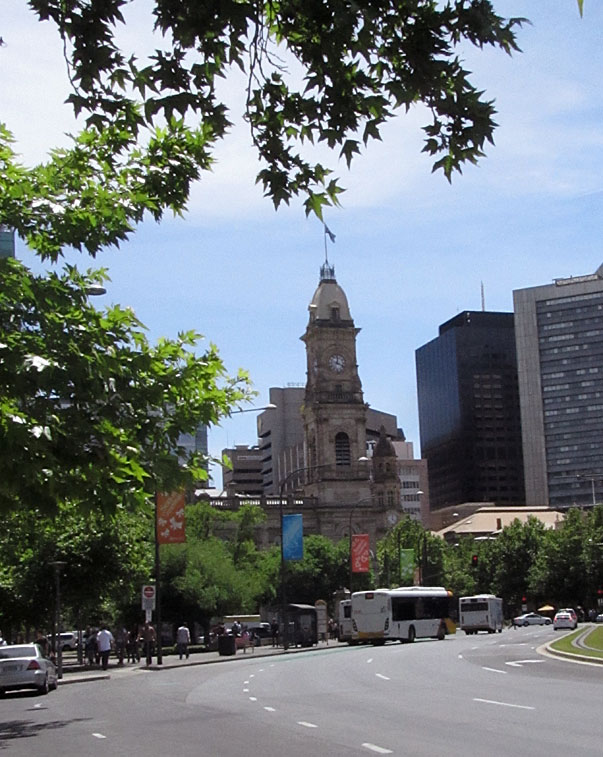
x,y
469,411
559,332
245,474
281,436
414,483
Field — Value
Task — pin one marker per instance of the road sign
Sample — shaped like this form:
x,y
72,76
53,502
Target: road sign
x,y
148,597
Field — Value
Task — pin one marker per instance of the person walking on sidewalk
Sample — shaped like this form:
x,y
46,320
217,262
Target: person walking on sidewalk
x,y
105,641
148,638
183,639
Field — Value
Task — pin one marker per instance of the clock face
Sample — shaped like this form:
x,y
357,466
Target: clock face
x,y
337,363
392,518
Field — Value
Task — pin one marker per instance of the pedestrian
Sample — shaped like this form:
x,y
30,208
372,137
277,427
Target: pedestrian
x,y
105,642
121,641
133,646
236,628
274,632
183,639
90,645
147,637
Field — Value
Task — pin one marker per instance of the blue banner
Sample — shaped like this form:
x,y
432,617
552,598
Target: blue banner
x,y
293,537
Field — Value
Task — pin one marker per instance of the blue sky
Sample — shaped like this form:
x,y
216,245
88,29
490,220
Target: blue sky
x,y
411,250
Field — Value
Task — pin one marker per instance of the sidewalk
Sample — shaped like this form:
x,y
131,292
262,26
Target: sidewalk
x,y
74,673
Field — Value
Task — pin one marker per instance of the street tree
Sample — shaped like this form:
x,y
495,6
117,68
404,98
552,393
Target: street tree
x,y
93,415
106,559
90,412
315,72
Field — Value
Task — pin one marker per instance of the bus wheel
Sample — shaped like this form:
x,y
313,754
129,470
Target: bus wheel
x,y
441,632
411,634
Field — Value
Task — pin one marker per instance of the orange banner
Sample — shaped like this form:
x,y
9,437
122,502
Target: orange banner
x,y
170,518
361,555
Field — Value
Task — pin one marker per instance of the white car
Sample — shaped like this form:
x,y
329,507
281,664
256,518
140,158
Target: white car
x,y
23,666
564,619
531,619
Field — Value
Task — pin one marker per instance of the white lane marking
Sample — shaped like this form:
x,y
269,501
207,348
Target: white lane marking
x,y
370,659
521,663
261,670
460,657
380,675
253,699
252,675
504,704
245,683
378,749
245,691
99,736
37,706
495,670
306,724
270,709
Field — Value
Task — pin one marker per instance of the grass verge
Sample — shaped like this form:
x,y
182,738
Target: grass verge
x,y
593,639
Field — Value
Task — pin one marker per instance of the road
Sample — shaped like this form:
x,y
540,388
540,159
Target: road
x,y
466,695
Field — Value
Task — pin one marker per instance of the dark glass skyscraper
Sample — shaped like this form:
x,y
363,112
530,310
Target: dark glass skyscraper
x,y
469,411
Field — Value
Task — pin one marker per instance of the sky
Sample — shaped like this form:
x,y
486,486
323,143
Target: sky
x,y
411,250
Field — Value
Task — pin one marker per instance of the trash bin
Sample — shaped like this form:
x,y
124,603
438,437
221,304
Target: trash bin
x,y
226,644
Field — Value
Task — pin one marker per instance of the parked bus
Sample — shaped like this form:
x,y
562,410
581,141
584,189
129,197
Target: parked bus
x,y
402,614
483,612
344,620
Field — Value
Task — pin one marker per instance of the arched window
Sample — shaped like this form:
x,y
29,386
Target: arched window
x,y
342,449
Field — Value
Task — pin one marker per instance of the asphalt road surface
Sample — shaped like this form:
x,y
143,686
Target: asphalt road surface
x,y
467,695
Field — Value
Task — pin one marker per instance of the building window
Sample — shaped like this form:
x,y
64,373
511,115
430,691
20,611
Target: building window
x,y
334,313
342,449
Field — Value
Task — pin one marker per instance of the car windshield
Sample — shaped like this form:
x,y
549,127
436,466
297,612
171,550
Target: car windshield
x,y
6,653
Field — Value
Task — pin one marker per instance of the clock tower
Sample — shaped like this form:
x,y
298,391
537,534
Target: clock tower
x,y
334,412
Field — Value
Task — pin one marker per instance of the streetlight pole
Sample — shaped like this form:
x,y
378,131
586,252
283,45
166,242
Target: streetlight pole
x,y
58,565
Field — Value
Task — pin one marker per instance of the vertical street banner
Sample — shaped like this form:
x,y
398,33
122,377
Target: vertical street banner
x,y
361,555
407,567
170,518
293,537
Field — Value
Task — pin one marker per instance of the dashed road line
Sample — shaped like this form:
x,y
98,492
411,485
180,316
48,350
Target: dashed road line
x,y
504,704
306,724
99,736
375,748
253,699
269,709
495,670
380,675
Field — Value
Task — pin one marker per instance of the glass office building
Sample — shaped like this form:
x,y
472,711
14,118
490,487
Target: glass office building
x,y
469,411
559,330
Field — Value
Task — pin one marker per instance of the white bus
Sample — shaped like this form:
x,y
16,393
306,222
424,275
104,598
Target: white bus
x,y
344,620
403,614
483,612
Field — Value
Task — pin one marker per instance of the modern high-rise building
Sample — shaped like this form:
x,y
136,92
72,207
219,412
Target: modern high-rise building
x,y
559,331
469,411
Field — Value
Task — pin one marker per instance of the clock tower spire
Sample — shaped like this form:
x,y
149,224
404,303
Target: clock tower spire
x,y
334,411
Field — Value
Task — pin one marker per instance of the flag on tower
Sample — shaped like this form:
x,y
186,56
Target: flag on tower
x,y
329,232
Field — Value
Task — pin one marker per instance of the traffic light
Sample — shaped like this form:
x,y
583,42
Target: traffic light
x,y
474,560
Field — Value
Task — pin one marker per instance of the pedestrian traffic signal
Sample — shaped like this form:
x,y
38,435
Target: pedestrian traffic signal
x,y
474,560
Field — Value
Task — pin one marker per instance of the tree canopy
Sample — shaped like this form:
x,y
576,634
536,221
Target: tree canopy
x,y
316,72
90,412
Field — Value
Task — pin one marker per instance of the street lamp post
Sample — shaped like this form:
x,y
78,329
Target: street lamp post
x,y
58,565
283,483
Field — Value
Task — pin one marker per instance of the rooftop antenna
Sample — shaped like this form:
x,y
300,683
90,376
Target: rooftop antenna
x,y
483,297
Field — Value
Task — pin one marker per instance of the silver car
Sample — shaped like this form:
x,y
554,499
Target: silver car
x,y
23,666
531,619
